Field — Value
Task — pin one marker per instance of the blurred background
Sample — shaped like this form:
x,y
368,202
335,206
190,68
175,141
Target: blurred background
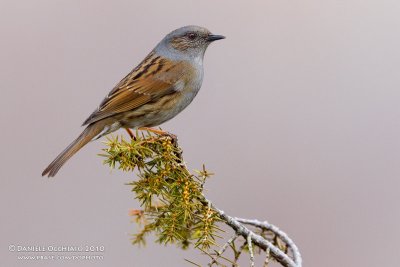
x,y
298,117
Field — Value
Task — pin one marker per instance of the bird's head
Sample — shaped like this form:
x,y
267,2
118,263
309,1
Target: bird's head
x,y
190,41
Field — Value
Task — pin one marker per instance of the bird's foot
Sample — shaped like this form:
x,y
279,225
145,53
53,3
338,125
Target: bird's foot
x,y
158,132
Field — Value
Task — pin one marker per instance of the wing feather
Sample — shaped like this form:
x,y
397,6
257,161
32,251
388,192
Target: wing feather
x,y
153,78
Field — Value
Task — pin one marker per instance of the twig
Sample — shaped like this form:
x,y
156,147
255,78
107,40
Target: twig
x,y
237,253
223,249
266,262
251,252
209,255
195,264
261,242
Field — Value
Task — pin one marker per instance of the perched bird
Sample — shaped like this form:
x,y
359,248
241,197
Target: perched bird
x,y
160,87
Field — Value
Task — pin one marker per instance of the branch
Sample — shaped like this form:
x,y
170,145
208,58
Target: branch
x,y
282,235
176,210
237,224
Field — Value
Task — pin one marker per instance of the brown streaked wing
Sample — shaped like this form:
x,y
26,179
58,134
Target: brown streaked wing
x,y
153,78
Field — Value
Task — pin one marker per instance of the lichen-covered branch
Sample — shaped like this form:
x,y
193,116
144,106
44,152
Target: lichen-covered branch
x,y
279,234
175,210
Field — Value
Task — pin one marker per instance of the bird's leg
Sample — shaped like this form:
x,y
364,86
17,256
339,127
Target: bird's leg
x,y
130,133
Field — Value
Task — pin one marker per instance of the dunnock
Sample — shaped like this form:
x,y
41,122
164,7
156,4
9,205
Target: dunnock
x,y
160,87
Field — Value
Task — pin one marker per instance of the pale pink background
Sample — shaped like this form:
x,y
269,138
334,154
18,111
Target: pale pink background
x,y
298,117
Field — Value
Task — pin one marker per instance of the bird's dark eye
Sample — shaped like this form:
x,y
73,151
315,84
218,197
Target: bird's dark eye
x,y
191,35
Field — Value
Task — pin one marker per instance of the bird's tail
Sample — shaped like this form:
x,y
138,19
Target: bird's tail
x,y
85,137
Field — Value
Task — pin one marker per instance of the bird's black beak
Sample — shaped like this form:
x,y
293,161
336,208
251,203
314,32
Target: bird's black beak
x,y
214,37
